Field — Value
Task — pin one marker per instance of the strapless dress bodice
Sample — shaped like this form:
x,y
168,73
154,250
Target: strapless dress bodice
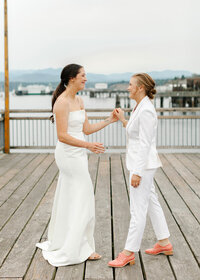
x,y
75,129
75,121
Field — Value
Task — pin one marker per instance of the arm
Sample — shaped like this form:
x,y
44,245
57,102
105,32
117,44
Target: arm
x,y
91,128
147,122
62,113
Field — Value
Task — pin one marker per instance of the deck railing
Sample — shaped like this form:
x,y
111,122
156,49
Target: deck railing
x,y
32,129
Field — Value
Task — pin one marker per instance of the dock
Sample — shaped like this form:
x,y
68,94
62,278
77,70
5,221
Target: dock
x,y
27,185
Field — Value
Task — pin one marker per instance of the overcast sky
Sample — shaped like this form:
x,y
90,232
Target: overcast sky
x,y
106,36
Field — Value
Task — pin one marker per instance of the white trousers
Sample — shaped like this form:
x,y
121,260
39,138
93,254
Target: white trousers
x,y
143,200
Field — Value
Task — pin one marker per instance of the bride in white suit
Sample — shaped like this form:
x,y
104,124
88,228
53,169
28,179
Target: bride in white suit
x,y
142,161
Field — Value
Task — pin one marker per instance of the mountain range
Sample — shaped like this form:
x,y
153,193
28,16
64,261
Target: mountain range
x,y
53,75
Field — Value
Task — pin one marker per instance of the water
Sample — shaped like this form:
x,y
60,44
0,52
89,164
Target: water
x,y
170,132
44,102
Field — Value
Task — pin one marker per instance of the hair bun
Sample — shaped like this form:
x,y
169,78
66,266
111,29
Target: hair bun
x,y
153,91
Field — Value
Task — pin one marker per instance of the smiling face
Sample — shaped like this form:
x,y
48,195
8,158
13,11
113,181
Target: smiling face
x,y
80,80
133,88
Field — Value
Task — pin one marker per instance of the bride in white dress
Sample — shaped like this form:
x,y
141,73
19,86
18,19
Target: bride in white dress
x,y
70,232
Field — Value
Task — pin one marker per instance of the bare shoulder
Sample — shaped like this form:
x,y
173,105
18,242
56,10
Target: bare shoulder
x,y
61,105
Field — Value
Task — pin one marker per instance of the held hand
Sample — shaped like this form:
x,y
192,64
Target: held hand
x,y
135,180
113,117
119,113
96,148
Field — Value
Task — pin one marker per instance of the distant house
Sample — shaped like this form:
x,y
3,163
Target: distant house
x,y
193,83
101,86
34,90
165,88
179,84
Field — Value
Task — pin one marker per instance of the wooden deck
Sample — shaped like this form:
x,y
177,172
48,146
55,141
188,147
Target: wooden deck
x,y
27,186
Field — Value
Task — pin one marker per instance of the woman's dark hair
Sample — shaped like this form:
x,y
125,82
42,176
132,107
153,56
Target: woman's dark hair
x,y
70,71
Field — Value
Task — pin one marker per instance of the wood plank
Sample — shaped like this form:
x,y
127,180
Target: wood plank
x,y
45,234
194,169
71,272
11,231
184,218
194,158
191,180
182,262
41,163
2,155
14,170
2,278
25,247
39,267
9,161
6,157
125,170
15,182
103,241
159,264
121,218
189,197
156,267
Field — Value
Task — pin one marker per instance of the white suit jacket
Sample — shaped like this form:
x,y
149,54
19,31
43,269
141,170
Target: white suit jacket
x,y
141,132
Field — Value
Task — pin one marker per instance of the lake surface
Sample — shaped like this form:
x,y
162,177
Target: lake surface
x,y
183,132
44,102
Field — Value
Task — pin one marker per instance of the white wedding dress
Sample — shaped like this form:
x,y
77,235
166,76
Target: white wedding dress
x,y
71,228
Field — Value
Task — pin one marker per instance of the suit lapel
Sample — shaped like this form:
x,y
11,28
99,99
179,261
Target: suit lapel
x,y
135,113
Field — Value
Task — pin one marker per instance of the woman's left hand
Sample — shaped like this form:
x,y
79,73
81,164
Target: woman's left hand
x,y
135,180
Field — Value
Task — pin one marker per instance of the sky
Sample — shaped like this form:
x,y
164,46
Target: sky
x,y
105,36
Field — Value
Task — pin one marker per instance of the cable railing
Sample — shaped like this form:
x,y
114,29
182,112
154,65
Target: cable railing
x,y
32,129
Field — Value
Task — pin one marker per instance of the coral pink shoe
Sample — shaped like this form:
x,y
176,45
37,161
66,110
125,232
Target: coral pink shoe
x,y
122,260
157,249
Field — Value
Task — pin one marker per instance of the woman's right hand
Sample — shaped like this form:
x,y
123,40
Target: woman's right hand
x,y
96,147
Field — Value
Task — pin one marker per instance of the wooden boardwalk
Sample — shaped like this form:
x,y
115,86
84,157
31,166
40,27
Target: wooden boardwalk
x,y
27,186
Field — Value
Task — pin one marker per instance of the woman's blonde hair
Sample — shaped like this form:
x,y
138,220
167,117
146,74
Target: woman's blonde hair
x,y
143,79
